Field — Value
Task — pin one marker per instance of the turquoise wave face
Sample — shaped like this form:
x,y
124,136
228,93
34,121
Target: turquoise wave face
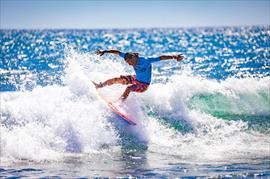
x,y
253,108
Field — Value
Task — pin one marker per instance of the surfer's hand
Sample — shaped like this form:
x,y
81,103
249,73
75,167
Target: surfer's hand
x,y
98,52
179,57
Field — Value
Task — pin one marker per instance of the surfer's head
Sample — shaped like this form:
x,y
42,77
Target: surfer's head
x,y
131,58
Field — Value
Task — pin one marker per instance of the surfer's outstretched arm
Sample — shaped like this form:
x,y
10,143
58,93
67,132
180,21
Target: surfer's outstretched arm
x,y
168,57
116,52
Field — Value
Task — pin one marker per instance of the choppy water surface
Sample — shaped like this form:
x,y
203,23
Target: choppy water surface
x,y
208,116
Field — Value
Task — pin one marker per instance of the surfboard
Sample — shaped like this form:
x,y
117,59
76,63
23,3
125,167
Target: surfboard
x,y
117,109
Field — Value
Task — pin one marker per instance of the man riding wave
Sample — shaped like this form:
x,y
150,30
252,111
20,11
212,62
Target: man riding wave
x,y
143,71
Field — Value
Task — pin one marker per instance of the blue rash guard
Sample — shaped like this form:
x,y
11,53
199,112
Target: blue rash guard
x,y
143,68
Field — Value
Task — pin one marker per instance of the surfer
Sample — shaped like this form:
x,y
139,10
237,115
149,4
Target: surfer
x,y
143,70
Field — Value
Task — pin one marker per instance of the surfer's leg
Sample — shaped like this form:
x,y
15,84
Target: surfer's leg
x,y
118,80
126,93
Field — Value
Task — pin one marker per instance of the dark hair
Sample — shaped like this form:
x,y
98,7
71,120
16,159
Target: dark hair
x,y
130,55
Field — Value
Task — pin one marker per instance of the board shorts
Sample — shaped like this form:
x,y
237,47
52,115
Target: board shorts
x,y
136,86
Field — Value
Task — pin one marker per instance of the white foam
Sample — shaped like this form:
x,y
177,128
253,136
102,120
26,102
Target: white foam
x,y
48,122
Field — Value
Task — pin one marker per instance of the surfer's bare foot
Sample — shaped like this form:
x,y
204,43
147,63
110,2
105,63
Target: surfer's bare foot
x,y
122,98
98,85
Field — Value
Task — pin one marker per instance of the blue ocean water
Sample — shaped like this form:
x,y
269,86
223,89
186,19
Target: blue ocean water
x,y
207,116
